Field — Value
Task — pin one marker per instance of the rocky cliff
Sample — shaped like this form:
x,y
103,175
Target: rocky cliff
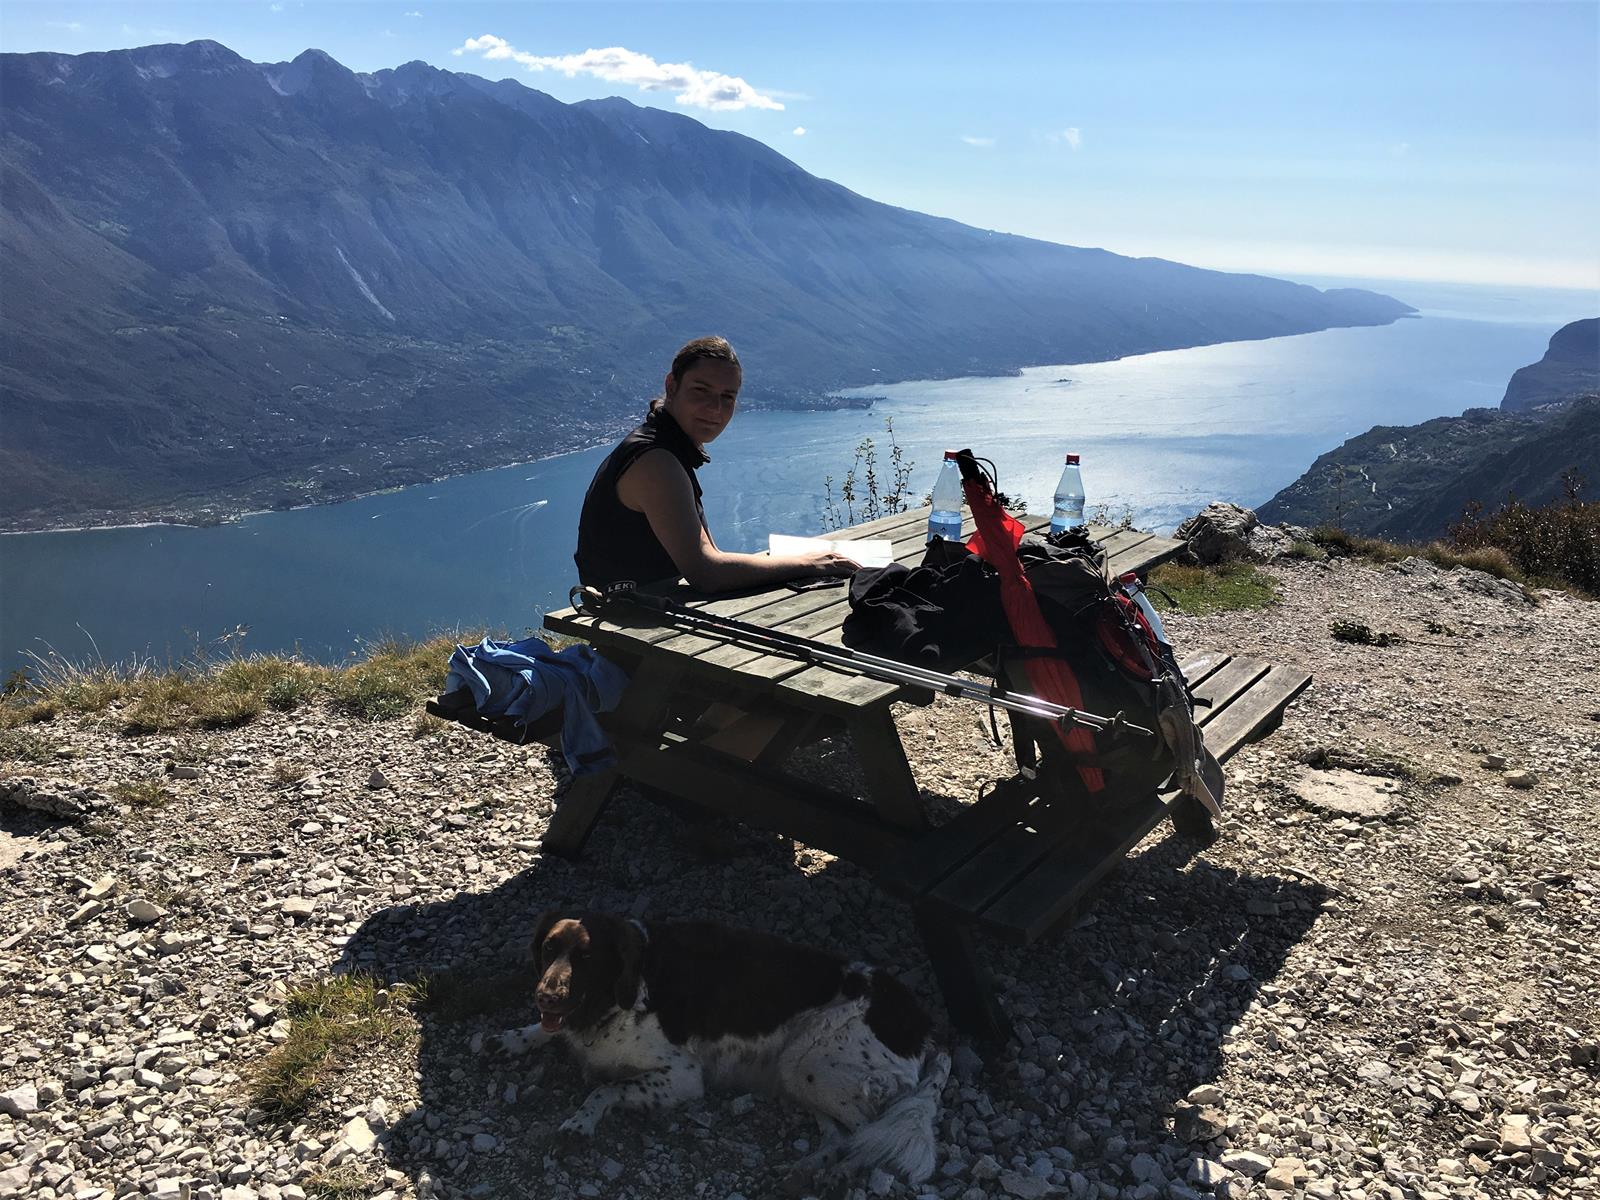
x,y
1571,366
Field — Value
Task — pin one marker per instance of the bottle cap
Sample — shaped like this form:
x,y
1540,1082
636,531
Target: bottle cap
x,y
1072,460
951,455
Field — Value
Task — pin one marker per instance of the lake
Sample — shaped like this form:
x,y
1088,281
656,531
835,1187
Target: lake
x,y
1160,435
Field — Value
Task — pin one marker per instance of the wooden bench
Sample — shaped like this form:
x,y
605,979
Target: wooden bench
x,y
1021,861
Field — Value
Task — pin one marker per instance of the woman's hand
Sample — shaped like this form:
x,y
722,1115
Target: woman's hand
x,y
827,563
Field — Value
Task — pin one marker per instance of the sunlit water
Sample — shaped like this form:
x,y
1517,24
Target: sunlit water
x,y
1160,434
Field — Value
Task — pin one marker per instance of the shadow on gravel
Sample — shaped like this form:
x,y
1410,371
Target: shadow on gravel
x,y
1118,1018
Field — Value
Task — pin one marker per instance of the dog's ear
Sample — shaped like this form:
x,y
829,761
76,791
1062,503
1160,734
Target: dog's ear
x,y
541,930
631,940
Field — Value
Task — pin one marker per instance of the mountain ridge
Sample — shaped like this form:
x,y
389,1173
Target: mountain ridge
x,y
259,285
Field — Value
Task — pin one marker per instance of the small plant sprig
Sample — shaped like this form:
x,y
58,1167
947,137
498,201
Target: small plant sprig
x,y
859,492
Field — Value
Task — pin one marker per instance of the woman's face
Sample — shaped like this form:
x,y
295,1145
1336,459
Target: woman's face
x,y
702,401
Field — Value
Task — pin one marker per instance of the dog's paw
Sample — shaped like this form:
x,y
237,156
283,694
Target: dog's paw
x,y
579,1125
514,1043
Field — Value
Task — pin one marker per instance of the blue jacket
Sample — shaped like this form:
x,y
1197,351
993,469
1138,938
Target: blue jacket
x,y
524,680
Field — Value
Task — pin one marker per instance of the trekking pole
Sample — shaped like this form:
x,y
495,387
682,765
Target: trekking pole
x,y
808,650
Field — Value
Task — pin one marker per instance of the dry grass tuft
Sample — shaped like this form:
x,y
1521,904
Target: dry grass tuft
x,y
328,1019
389,682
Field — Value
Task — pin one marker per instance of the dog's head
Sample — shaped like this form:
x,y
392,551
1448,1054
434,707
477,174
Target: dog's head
x,y
588,964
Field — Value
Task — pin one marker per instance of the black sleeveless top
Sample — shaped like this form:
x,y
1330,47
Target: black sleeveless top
x,y
616,544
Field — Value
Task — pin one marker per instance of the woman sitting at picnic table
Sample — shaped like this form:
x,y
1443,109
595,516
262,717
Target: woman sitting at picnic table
x,y
642,519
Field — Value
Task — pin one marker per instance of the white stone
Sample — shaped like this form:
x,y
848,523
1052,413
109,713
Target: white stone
x,y
1345,793
143,912
20,1102
1246,1162
1029,1187
1207,1172
358,1135
1146,1169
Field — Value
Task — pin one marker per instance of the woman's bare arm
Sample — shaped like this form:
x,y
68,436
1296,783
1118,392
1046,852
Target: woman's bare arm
x,y
657,485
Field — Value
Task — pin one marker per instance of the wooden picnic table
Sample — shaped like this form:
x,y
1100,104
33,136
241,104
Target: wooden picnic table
x,y
667,663
1013,863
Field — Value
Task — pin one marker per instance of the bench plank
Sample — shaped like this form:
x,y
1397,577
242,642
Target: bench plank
x,y
1257,712
1067,873
976,826
1017,868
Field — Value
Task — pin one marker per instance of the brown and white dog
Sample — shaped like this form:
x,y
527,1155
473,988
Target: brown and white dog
x,y
659,1010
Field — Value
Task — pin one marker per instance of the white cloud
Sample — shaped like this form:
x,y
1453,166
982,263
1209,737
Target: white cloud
x,y
390,33
985,142
691,88
275,7
1065,137
69,26
1400,150
799,131
413,13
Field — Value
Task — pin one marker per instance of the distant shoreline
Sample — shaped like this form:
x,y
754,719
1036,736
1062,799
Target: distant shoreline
x,y
226,515
234,517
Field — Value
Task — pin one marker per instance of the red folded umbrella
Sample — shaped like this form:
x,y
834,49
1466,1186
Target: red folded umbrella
x,y
996,541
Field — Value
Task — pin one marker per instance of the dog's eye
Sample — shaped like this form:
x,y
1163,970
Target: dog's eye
x,y
578,956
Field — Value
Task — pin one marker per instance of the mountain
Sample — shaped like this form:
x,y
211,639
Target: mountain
x,y
233,283
1411,483
1570,366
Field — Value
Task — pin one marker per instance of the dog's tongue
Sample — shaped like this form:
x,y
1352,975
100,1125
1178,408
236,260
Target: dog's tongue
x,y
551,1022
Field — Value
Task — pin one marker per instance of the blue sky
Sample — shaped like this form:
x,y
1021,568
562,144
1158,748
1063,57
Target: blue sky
x,y
1452,141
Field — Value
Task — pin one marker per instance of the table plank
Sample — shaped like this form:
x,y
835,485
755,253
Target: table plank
x,y
827,624
817,614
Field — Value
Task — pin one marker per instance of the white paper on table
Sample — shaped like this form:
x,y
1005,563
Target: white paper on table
x,y
877,552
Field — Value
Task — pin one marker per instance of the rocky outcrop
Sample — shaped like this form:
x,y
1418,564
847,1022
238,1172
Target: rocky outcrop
x,y
1223,532
1570,367
64,803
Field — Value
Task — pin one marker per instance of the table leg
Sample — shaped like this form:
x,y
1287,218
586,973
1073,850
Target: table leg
x,y
890,785
1022,739
640,717
968,990
1192,821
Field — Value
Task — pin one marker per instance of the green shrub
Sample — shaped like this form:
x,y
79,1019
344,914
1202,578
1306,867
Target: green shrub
x,y
1361,634
865,497
1309,551
1557,542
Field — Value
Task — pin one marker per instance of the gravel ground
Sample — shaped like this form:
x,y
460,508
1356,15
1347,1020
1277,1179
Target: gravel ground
x,y
1380,982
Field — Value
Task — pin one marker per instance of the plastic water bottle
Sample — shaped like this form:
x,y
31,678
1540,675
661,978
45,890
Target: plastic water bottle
x,y
1135,591
1069,498
946,519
